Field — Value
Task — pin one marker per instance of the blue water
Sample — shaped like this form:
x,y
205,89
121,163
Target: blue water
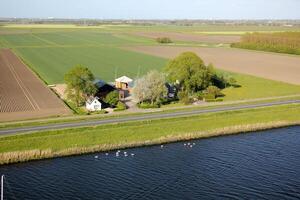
x,y
260,165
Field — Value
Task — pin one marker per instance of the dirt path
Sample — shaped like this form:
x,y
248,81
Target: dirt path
x,y
280,67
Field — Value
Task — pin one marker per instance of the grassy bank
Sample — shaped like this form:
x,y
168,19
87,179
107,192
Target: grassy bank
x,y
169,108
108,137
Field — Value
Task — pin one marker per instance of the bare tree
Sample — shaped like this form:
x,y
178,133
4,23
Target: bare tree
x,y
150,87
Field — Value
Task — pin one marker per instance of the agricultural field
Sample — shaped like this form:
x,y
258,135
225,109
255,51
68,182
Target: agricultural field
x,y
189,37
260,74
115,50
23,95
285,42
52,54
279,67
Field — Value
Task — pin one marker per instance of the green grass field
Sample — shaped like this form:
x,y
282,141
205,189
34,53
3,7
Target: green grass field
x,y
254,87
105,62
52,54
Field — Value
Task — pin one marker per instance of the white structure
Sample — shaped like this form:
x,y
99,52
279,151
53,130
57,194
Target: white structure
x,y
123,82
93,104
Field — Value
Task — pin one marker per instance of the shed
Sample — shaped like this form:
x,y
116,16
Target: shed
x,y
123,82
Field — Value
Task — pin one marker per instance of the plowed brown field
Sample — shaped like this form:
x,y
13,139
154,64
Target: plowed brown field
x,y
280,67
22,94
188,37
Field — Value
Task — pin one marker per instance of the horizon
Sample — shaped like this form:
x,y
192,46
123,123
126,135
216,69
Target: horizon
x,y
152,10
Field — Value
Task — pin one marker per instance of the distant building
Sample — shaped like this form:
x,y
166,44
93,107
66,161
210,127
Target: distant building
x,y
93,104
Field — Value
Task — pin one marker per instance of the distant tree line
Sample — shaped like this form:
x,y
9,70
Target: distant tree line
x,y
283,42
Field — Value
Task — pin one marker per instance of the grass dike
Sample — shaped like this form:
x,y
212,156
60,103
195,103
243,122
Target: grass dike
x,y
69,142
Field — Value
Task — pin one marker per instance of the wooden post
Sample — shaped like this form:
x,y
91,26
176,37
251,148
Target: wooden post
x,y
2,186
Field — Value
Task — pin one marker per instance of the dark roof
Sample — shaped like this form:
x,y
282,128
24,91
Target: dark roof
x,y
91,99
99,83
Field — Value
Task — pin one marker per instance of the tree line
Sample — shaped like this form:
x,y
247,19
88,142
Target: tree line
x,y
281,42
188,74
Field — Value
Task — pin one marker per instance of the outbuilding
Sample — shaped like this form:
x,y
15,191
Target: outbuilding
x,y
123,83
93,104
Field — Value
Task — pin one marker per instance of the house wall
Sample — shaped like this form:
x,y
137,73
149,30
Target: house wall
x,y
92,106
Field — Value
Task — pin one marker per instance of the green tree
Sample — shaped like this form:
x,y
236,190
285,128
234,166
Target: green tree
x,y
80,84
120,106
184,98
190,72
112,98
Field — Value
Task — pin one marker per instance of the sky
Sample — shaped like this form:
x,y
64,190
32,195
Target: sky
x,y
152,9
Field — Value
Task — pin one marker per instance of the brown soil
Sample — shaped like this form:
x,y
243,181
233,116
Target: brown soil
x,y
60,90
188,37
273,66
22,94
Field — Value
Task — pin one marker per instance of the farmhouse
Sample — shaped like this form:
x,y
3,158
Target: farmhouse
x,y
93,104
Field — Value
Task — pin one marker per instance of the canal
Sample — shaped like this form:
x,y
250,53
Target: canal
x,y
259,165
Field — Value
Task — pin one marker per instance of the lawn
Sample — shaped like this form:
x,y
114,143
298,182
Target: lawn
x,y
150,132
254,87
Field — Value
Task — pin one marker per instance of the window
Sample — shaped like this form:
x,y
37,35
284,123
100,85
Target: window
x,y
96,107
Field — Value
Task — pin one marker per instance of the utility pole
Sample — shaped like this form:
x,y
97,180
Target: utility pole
x,y
2,184
116,72
139,71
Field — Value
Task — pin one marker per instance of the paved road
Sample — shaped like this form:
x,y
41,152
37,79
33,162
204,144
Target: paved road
x,y
140,117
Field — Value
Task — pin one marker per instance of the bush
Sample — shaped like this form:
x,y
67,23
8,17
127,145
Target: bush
x,y
213,100
165,101
163,40
77,110
146,105
120,106
213,90
98,112
184,97
198,95
208,97
112,98
210,100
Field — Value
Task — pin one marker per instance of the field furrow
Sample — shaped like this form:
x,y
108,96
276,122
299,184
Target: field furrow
x,y
22,94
